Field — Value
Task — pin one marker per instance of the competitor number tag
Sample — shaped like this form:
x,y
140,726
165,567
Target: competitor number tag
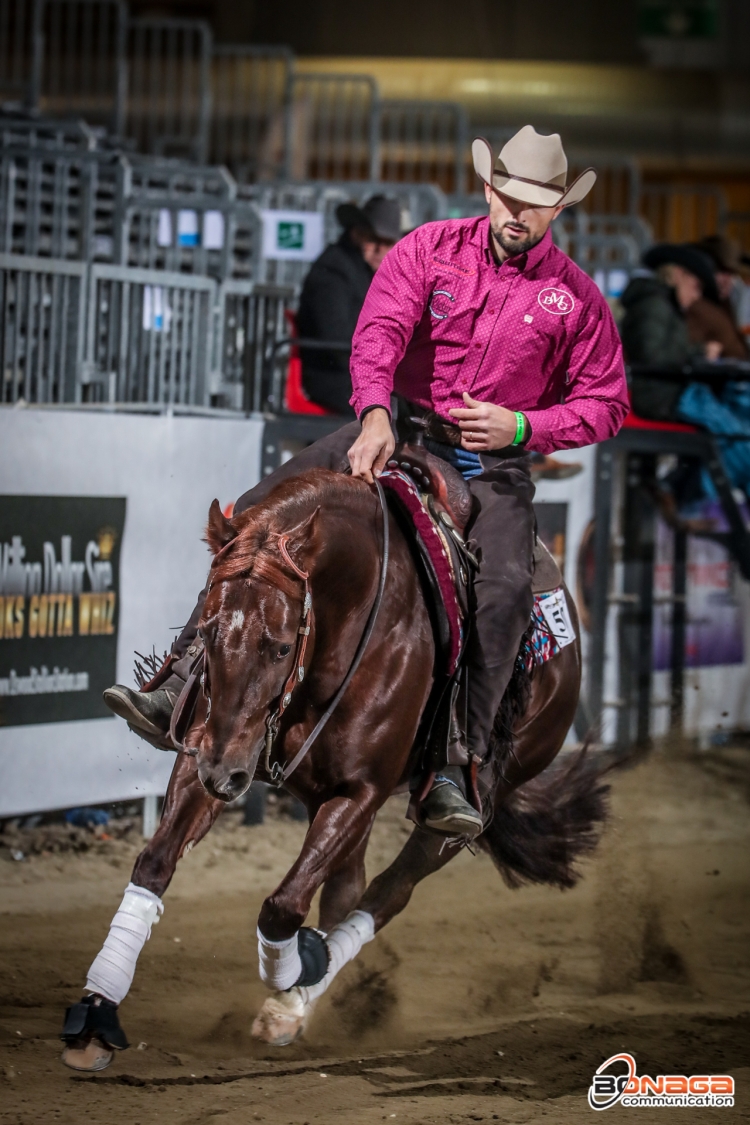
x,y
555,610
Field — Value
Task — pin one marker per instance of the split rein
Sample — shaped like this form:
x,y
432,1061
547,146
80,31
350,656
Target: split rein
x,y
280,773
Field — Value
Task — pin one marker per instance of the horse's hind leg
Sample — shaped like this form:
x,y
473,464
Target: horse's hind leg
x,y
92,1030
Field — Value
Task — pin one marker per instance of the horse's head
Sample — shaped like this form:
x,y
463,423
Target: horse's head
x,y
254,610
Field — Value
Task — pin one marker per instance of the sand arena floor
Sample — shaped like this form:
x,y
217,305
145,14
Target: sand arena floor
x,y
477,1004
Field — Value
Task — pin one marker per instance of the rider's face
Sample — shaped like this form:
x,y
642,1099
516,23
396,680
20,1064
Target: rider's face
x,y
516,226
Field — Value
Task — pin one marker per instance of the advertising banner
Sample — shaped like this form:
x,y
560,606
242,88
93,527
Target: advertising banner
x,y
59,590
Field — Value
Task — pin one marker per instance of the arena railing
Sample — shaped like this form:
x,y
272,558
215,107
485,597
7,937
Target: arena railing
x,y
250,110
424,142
79,60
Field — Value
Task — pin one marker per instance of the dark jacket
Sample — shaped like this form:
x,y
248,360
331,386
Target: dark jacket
x,y
654,331
332,297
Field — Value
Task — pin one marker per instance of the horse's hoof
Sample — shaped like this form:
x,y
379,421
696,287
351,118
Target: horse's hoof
x,y
281,1020
81,1055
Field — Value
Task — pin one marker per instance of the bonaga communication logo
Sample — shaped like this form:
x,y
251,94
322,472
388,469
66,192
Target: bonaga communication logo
x,y
640,1090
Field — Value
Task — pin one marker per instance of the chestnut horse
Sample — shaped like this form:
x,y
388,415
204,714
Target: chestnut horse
x,y
330,526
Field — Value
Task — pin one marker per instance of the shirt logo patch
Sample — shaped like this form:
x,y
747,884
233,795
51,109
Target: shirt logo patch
x,y
556,301
440,304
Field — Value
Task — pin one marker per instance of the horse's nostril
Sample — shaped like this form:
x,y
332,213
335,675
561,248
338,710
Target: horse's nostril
x,y
236,783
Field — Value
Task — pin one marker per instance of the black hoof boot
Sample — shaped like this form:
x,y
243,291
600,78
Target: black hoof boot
x,y
313,953
92,1034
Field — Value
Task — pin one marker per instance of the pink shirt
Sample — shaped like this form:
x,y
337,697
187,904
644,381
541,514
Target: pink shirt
x,y
534,334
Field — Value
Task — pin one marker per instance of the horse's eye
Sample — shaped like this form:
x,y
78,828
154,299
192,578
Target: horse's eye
x,y
284,650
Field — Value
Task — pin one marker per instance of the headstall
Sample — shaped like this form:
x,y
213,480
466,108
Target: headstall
x,y
275,770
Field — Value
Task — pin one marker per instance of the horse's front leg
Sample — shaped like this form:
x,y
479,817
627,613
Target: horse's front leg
x,y
333,855
92,1031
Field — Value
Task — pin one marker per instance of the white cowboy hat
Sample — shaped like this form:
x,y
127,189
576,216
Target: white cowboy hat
x,y
532,168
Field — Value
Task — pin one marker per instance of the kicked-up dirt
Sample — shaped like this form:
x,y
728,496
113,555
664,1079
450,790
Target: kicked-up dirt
x,y
476,1004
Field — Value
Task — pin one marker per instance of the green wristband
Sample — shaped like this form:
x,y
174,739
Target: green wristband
x,y
520,428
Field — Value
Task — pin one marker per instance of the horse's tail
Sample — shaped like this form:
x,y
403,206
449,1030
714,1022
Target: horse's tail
x,y
541,829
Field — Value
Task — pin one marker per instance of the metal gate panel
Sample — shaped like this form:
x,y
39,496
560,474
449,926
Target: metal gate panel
x,y
21,130
16,49
41,328
334,131
253,318
195,236
424,142
80,66
169,105
150,337
250,110
61,204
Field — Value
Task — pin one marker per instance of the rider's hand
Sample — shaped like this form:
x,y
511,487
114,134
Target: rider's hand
x,y
484,426
374,445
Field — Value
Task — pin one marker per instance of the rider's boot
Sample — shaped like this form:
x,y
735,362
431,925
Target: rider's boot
x,y
446,809
147,712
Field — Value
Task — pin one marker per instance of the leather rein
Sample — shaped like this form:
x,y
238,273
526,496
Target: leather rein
x,y
279,772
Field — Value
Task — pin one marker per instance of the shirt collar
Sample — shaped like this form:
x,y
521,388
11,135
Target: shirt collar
x,y
519,262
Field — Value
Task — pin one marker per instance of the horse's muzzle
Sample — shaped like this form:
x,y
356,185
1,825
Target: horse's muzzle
x,y
224,784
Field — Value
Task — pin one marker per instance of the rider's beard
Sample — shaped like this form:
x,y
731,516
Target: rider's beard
x,y
515,243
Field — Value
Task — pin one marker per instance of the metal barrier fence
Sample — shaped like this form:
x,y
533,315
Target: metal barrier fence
x,y
16,49
150,337
169,106
72,332
42,307
334,130
79,60
61,204
424,142
250,110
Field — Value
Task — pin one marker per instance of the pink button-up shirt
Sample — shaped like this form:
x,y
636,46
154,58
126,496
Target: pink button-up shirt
x,y
533,334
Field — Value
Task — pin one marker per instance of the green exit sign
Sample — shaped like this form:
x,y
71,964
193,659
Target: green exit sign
x,y
678,19
290,236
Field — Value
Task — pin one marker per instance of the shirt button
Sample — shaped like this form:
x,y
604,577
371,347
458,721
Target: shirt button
x,y
491,312
478,346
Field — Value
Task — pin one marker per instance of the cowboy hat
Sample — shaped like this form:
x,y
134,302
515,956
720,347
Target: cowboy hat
x,y
532,168
691,259
380,215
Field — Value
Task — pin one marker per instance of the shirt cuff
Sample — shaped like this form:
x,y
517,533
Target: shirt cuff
x,y
370,398
540,437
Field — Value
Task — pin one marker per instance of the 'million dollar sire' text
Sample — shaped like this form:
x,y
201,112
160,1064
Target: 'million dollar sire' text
x,y
47,599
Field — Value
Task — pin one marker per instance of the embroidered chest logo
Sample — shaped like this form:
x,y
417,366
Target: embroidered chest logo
x,y
556,301
440,303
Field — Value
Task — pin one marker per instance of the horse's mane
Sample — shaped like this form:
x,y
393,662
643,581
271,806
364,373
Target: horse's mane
x,y
254,549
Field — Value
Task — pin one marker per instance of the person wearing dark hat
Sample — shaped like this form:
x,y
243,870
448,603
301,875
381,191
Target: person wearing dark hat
x,y
654,329
674,317
334,292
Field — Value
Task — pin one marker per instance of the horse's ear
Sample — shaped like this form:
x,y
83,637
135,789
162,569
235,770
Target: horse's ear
x,y
302,538
219,530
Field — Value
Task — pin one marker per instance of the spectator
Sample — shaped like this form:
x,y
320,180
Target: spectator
x,y
334,292
727,262
654,328
658,329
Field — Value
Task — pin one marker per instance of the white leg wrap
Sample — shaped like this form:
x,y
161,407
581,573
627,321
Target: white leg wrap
x,y
111,973
344,943
279,962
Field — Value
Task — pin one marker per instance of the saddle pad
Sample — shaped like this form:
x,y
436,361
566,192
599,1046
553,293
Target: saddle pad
x,y
435,544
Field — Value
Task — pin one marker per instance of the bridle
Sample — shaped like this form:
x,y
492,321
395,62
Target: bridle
x,y
278,772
